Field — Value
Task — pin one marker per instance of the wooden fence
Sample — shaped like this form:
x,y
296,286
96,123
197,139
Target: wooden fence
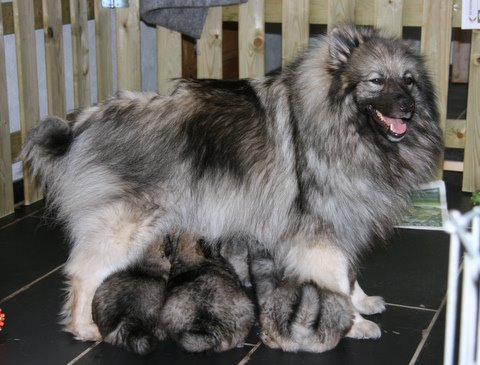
x,y
436,19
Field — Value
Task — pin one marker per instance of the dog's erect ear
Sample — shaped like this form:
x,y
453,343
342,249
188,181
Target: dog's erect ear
x,y
343,41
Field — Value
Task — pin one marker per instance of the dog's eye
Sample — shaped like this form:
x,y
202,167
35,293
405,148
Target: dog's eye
x,y
377,81
408,80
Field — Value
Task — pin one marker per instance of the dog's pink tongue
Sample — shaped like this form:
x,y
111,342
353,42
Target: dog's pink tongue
x,y
397,126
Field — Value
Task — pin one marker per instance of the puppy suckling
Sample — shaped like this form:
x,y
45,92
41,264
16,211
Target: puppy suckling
x,y
182,287
296,315
127,305
206,307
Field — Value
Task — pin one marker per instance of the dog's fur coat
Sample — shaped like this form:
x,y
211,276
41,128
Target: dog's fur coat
x,y
313,162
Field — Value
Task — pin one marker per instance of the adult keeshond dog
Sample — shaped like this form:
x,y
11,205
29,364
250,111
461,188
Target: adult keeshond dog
x,y
312,163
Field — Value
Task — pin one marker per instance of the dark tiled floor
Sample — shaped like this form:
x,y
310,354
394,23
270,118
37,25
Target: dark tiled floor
x,y
410,272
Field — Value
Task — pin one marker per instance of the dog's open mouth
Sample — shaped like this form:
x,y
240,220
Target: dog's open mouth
x,y
394,128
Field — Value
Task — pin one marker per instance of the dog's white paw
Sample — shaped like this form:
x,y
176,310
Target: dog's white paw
x,y
364,329
85,332
370,305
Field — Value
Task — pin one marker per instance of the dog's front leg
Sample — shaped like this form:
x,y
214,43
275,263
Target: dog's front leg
x,y
327,266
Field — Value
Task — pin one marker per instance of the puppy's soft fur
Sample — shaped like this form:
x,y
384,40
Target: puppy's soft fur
x,y
313,162
126,306
206,306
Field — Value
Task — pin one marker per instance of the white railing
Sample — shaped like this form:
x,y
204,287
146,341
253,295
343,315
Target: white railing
x,y
463,240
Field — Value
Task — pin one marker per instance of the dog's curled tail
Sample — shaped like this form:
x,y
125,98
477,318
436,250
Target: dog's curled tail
x,y
45,144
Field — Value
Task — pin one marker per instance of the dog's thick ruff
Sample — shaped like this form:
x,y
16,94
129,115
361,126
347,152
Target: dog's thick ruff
x,y
318,159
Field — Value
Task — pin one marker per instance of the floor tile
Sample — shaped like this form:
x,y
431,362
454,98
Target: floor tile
x,y
167,353
410,270
32,334
401,332
29,249
432,351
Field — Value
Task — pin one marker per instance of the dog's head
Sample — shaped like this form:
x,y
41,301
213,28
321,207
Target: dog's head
x,y
385,77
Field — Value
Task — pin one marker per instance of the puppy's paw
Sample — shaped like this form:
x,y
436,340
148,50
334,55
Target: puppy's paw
x,y
370,305
364,329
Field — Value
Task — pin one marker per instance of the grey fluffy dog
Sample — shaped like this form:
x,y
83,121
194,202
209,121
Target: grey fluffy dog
x,y
313,162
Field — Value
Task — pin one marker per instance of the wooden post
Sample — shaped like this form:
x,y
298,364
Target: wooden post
x,y
6,183
209,46
251,39
435,45
80,51
103,47
295,28
129,75
340,11
169,59
388,15
54,60
471,172
27,83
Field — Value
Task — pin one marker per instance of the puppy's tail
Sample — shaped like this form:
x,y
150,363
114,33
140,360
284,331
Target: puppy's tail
x,y
46,144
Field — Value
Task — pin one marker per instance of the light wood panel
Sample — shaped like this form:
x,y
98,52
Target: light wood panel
x,y
6,183
471,174
54,57
169,59
27,83
209,46
295,28
389,16
435,45
103,51
129,75
80,53
340,11
251,39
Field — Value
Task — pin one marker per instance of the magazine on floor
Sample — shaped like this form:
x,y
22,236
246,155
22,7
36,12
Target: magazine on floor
x,y
428,208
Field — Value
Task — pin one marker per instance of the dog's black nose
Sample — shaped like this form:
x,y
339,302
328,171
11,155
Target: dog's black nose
x,y
407,105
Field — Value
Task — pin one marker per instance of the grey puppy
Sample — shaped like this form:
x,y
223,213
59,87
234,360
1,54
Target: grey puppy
x,y
296,316
206,306
313,162
126,306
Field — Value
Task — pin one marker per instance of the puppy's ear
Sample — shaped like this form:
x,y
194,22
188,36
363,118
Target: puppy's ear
x,y
343,40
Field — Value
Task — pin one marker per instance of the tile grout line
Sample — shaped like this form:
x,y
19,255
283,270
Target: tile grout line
x,y
83,353
16,220
246,358
427,332
26,287
411,307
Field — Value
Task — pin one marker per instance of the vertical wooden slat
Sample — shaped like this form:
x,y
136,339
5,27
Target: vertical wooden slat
x,y
388,15
251,39
340,11
295,28
209,46
128,47
103,47
80,51
6,183
435,45
169,59
54,60
27,83
471,173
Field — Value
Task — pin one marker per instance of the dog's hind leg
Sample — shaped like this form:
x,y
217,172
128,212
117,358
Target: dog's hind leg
x,y
366,304
104,241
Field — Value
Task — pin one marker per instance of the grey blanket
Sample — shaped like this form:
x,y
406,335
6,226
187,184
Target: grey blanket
x,y
184,16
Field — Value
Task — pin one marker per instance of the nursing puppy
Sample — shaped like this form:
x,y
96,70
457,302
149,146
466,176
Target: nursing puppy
x,y
126,306
297,316
206,306
313,162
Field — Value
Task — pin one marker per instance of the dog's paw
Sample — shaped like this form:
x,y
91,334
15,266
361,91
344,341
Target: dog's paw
x,y
364,329
370,305
85,332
